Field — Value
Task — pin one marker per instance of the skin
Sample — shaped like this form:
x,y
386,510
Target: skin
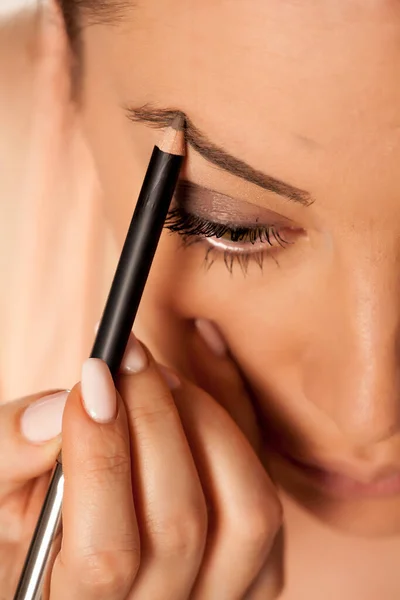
x,y
307,94
291,116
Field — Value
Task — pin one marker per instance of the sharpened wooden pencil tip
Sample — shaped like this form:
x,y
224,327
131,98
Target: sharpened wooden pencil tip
x,y
173,141
178,123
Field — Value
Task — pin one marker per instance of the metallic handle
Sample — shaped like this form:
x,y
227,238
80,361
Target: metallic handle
x,y
31,581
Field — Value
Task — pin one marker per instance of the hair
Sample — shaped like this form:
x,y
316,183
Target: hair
x,y
69,9
81,13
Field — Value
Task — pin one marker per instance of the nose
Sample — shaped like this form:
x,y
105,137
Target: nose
x,y
365,404
352,373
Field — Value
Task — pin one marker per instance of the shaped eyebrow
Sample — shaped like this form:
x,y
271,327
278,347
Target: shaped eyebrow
x,y
160,118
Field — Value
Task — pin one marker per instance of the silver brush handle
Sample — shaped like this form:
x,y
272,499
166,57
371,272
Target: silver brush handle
x,y
31,581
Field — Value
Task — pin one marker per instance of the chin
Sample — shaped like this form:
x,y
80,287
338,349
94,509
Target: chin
x,y
370,517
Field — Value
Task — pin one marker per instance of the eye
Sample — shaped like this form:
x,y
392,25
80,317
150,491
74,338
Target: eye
x,y
234,242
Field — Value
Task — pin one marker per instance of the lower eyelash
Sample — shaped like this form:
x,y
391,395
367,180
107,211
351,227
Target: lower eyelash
x,y
241,259
194,229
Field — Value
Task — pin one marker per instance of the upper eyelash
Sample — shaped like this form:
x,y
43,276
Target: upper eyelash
x,y
189,225
193,228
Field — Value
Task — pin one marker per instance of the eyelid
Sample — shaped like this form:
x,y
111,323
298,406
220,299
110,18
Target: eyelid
x,y
220,208
191,226
249,244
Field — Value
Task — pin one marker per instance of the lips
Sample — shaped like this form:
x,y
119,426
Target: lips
x,y
349,481
343,478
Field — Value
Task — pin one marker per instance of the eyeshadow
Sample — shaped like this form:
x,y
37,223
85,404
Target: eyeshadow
x,y
220,208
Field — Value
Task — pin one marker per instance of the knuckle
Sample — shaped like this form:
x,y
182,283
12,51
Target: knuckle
x,y
182,535
258,532
275,513
148,413
260,526
107,573
107,466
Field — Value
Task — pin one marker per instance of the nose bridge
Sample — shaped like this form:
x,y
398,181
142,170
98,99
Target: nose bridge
x,y
364,397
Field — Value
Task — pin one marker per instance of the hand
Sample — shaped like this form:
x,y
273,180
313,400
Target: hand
x,y
26,460
167,500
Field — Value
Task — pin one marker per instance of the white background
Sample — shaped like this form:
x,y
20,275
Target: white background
x,y
7,7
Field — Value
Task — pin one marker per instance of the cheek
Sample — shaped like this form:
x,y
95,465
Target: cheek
x,y
280,326
264,325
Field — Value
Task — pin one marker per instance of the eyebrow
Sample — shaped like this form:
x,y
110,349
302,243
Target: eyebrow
x,y
160,118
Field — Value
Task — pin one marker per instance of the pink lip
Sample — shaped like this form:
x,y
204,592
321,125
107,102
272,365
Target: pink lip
x,y
350,482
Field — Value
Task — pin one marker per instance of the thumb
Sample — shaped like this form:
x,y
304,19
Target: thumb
x,y
215,371
30,437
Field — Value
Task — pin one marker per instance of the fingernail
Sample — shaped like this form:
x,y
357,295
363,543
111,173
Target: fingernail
x,y
42,420
135,358
98,391
171,379
211,336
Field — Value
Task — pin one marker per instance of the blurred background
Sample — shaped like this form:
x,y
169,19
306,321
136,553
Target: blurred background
x,y
8,6
56,254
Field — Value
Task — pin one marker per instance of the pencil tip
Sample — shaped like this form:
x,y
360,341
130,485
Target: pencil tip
x,y
173,140
178,122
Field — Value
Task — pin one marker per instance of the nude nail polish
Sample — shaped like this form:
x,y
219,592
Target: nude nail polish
x,y
42,420
98,391
211,336
171,379
135,358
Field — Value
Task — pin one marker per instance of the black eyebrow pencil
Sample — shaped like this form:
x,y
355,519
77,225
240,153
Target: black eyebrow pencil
x,y
115,325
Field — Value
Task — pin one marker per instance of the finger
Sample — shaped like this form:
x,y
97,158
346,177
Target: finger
x,y
30,437
246,512
169,500
100,551
269,584
215,371
222,379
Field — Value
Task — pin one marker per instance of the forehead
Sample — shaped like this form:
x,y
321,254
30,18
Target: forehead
x,y
298,75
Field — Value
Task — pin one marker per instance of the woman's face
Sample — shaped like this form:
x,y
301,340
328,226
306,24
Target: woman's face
x,y
304,97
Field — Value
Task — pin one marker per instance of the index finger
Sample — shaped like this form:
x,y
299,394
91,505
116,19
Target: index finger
x,y
101,548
